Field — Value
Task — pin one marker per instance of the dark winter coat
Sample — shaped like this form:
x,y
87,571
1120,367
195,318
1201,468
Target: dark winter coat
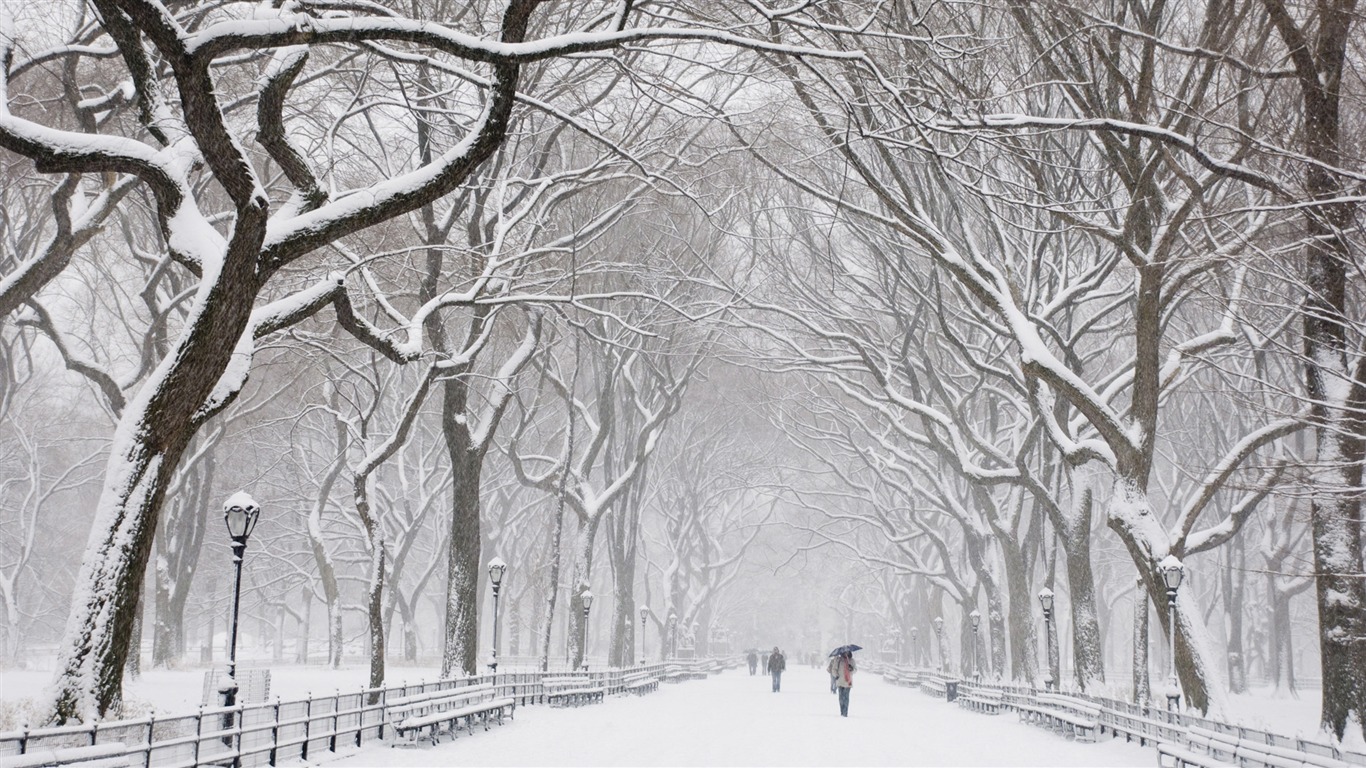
x,y
777,663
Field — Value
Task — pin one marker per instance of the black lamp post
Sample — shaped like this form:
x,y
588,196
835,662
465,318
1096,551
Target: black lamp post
x,y
644,614
915,647
587,598
1172,574
496,570
976,618
1046,600
939,633
896,639
673,635
240,512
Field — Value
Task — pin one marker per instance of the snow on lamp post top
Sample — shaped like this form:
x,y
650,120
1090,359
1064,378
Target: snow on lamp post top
x,y
1172,572
938,624
644,613
1046,599
976,617
496,570
240,512
587,598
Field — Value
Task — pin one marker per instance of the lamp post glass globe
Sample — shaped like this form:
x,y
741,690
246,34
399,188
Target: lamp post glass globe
x,y
976,617
1046,600
241,512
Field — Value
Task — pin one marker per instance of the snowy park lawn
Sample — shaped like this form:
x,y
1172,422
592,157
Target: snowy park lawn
x,y
734,719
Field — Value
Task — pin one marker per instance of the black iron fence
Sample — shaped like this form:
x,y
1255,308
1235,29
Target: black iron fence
x,y
260,734
1144,723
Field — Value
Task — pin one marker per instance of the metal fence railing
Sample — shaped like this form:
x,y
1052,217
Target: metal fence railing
x,y
1145,723
260,734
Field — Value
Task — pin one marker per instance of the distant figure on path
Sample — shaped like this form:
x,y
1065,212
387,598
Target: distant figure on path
x,y
753,660
841,669
777,662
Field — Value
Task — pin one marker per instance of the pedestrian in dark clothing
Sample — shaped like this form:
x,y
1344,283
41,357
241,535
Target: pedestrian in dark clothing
x,y
841,669
777,662
753,660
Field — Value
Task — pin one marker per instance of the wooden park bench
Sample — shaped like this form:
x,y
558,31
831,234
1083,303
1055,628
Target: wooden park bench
x,y
673,674
571,691
1066,715
441,711
1233,749
984,701
934,686
639,683
111,755
1175,756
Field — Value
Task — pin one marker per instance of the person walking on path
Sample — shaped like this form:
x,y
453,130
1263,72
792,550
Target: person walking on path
x,y
776,664
753,660
841,669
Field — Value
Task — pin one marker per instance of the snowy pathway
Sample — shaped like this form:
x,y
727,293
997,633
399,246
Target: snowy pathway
x,y
734,719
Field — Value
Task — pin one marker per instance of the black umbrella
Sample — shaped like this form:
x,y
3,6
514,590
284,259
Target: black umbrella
x,y
846,649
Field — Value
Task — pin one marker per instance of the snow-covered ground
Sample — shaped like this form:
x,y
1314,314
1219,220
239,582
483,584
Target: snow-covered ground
x,y
734,719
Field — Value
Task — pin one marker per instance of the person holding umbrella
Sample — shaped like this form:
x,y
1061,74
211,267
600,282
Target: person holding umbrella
x,y
841,669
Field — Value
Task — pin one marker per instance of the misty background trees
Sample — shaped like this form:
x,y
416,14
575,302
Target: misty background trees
x,y
797,325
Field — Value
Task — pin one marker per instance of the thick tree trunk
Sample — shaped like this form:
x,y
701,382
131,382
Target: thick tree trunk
x,y
579,582
1336,389
1142,686
1131,516
1088,652
375,606
1023,642
305,626
90,669
1234,592
460,654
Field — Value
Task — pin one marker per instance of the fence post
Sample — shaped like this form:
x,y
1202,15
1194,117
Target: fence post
x,y
151,728
94,731
198,732
275,733
237,735
361,704
308,723
332,737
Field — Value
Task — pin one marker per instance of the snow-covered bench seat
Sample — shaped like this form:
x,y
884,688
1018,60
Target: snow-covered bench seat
x,y
1063,714
441,711
639,683
571,691
1234,749
673,674
111,755
984,701
1174,756
934,686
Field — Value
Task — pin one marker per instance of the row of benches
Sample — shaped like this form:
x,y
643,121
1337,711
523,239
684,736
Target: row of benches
x,y
1177,747
1204,748
427,715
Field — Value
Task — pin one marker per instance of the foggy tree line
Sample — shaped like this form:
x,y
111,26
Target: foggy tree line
x,y
985,298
